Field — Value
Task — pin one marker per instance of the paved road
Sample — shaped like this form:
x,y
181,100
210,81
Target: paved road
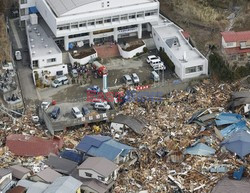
x,y
19,42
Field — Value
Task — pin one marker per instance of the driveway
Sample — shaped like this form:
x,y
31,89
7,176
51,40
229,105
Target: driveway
x,y
19,42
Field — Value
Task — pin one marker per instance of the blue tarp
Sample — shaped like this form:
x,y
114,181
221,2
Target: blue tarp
x,y
200,149
33,10
234,128
72,155
238,143
227,118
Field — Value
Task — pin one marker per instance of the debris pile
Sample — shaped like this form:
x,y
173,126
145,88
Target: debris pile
x,y
165,163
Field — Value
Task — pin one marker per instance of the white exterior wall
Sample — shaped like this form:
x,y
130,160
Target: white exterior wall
x,y
83,60
228,44
53,70
42,61
53,21
179,67
30,3
47,14
132,53
95,175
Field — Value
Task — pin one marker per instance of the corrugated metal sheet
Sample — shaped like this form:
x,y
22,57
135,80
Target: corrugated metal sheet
x,y
23,145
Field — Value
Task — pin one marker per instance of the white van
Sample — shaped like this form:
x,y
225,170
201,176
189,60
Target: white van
x,y
60,81
155,76
156,62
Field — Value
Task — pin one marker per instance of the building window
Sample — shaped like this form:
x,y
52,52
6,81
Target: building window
x,y
88,174
99,21
63,27
74,25
190,70
102,4
35,63
22,13
23,1
91,22
124,17
101,178
230,44
51,60
115,18
140,15
200,68
82,24
132,16
78,35
107,20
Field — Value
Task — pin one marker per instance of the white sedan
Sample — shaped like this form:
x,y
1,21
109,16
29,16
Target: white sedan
x,y
18,55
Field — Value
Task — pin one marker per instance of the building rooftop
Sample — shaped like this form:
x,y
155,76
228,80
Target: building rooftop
x,y
65,184
72,7
48,175
180,47
19,171
231,36
100,165
40,43
103,146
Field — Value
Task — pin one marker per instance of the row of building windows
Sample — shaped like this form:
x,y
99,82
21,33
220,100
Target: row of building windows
x,y
107,20
23,1
194,69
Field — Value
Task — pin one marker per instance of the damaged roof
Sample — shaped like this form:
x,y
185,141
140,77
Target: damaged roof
x,y
200,149
135,124
26,145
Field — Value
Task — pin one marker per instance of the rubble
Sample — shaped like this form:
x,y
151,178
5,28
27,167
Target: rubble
x,y
167,128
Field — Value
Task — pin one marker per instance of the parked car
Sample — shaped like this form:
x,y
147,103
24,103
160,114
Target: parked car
x,y
159,67
94,89
18,55
60,81
127,79
45,105
76,112
55,112
102,106
97,100
85,110
155,76
135,78
151,57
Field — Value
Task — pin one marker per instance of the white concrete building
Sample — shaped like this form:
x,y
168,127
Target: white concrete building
x,y
95,21
45,55
188,61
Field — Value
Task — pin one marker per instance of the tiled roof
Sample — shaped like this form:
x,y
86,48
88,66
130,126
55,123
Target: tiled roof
x,y
232,36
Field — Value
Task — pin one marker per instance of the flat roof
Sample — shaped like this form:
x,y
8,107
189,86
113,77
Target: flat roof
x,y
174,39
61,7
40,43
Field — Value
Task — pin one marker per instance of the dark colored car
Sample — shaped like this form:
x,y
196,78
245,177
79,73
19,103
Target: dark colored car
x,y
94,89
55,112
85,111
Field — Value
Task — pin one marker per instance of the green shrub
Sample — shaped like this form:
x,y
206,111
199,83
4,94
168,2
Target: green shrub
x,y
145,49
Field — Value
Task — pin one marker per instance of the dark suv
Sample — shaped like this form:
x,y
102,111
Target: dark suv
x,y
55,112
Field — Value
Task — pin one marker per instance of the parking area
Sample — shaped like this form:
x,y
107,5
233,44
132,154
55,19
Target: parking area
x,y
117,67
66,111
